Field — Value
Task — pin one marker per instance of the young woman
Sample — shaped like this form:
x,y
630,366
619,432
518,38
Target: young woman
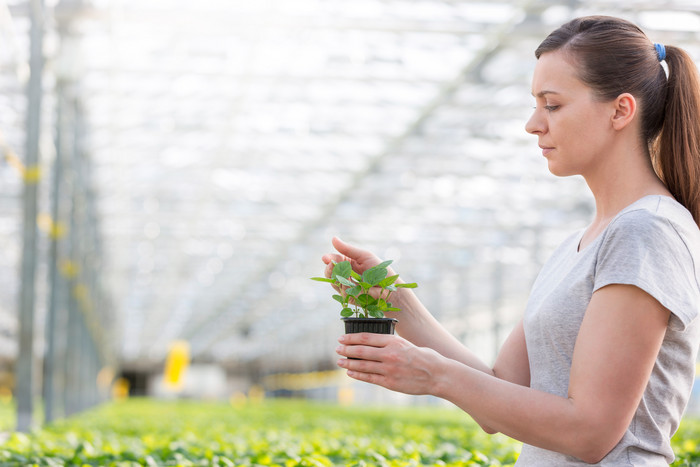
x,y
600,368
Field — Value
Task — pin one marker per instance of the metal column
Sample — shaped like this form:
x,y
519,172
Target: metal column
x,y
25,358
57,282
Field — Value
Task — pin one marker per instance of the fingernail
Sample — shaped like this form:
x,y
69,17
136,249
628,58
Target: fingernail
x,y
338,349
342,338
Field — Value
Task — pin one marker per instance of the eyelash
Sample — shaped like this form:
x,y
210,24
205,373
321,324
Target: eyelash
x,y
549,108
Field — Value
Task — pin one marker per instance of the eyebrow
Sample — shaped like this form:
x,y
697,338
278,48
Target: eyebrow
x,y
544,93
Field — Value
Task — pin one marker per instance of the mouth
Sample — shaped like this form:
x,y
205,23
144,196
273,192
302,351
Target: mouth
x,y
546,150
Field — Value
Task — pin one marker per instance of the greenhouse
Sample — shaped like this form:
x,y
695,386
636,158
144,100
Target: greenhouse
x,y
173,172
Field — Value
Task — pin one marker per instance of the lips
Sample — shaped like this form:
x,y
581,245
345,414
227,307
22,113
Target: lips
x,y
546,150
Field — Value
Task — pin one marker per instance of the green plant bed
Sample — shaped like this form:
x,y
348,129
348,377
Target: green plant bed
x,y
276,432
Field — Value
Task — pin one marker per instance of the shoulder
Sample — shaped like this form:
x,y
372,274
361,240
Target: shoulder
x,y
655,245
656,220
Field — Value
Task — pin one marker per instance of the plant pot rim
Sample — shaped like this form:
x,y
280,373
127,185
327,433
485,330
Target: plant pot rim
x,y
361,318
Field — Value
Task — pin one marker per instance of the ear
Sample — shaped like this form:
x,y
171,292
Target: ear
x,y
625,107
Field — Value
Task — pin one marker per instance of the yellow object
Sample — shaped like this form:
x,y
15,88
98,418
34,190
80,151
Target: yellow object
x,y
31,174
55,230
5,395
120,389
69,269
176,364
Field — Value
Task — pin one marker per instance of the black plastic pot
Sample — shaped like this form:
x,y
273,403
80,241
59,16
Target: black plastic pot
x,y
375,325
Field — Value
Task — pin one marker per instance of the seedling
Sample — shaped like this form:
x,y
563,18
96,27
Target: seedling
x,y
354,289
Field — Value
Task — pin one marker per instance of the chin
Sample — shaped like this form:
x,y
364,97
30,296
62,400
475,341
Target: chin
x,y
560,171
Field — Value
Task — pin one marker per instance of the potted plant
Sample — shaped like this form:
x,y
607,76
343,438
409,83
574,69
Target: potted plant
x,y
360,310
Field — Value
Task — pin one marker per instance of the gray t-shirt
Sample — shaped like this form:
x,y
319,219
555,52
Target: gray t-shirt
x,y
653,244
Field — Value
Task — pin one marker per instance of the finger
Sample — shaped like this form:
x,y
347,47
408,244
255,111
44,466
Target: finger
x,y
361,366
366,338
348,249
372,378
359,352
332,257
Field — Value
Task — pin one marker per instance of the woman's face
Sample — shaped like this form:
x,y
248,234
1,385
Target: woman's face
x,y
573,128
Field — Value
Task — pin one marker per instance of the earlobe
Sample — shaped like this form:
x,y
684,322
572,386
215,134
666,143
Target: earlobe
x,y
625,110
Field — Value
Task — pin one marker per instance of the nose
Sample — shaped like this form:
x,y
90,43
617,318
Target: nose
x,y
536,124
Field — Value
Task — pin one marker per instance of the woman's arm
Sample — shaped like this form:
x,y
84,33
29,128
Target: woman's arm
x,y
418,326
614,354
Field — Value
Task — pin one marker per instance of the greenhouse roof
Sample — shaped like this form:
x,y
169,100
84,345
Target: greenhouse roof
x,y
224,143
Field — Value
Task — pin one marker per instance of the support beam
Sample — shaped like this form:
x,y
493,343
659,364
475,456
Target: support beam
x,y
25,358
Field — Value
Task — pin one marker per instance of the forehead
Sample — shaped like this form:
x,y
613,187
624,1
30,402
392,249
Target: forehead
x,y
554,73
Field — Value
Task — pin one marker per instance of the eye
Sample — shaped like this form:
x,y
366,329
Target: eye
x,y
551,108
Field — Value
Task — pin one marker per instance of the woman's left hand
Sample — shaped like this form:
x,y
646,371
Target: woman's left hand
x,y
389,361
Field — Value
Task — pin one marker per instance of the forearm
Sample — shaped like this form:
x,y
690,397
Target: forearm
x,y
418,326
423,330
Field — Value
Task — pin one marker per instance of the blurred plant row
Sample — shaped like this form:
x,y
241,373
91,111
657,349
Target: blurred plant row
x,y
142,432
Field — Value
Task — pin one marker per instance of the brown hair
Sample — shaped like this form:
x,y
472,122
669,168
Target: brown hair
x,y
614,56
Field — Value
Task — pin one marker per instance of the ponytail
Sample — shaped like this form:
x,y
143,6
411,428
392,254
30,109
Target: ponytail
x,y
676,151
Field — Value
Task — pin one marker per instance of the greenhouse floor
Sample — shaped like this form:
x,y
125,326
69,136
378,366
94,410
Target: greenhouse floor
x,y
273,433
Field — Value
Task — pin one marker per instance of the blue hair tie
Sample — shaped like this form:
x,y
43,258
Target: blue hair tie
x,y
660,51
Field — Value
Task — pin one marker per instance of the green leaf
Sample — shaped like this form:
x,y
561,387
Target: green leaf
x,y
374,276
376,314
346,282
339,299
384,264
346,313
412,285
392,308
356,276
342,269
353,291
366,300
388,281
323,279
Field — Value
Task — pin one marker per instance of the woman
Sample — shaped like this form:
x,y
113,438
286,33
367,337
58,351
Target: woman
x,y
600,368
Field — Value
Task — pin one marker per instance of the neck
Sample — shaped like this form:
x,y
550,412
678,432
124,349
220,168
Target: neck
x,y
624,177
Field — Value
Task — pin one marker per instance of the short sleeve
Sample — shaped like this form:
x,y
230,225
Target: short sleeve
x,y
643,249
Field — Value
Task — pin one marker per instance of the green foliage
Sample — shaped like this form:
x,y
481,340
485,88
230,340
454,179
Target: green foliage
x,y
7,415
285,433
277,433
686,443
355,297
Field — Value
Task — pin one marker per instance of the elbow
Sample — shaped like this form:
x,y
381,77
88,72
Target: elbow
x,y
593,444
593,455
487,429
